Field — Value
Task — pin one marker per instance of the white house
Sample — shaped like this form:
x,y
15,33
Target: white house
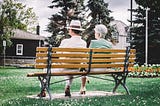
x,y
121,37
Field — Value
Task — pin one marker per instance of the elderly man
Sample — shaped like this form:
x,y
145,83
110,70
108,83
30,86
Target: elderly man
x,y
73,42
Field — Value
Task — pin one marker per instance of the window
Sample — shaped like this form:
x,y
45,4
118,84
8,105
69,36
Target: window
x,y
19,49
115,34
128,38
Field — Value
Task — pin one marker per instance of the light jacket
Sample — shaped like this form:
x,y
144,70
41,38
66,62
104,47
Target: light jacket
x,y
101,43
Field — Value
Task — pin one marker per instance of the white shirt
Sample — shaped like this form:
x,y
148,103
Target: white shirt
x,y
73,42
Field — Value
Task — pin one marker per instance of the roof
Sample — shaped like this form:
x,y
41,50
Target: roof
x,y
20,34
121,27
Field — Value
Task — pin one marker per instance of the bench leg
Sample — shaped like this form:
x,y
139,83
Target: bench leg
x,y
120,79
45,82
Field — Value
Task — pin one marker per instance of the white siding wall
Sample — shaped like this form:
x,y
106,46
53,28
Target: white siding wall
x,y
122,34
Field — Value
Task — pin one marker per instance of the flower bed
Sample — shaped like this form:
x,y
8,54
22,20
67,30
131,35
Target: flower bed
x,y
144,71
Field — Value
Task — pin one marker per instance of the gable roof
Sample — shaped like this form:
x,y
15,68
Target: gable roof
x,y
20,34
121,27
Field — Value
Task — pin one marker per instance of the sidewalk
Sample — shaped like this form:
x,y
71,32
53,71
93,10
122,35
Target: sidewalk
x,y
77,95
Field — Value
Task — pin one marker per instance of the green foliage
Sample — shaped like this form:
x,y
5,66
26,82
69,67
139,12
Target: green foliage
x,y
68,10
94,12
14,15
138,31
100,14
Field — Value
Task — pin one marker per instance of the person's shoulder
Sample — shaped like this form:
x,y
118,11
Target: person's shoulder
x,y
97,42
109,42
65,40
94,41
83,41
106,41
94,44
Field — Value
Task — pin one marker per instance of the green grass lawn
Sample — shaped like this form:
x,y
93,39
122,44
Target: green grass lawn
x,y
15,86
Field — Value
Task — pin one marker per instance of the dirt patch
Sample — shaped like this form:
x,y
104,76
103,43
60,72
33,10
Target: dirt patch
x,y
77,95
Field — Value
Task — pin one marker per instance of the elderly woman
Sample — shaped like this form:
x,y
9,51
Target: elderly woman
x,y
100,33
100,42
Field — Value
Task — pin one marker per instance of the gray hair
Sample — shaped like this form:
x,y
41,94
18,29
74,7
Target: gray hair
x,y
101,29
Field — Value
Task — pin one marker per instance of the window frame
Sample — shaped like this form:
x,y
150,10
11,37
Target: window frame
x,y
19,49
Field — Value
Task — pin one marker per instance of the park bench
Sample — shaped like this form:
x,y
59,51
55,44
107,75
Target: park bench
x,y
114,62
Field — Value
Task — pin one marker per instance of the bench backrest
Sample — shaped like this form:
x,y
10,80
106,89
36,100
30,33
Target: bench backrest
x,y
83,58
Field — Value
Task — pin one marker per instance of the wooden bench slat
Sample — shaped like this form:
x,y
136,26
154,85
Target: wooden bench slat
x,y
81,60
72,66
112,50
63,55
111,55
63,73
55,49
63,60
83,55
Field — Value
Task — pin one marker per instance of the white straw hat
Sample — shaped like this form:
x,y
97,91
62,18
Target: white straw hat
x,y
76,25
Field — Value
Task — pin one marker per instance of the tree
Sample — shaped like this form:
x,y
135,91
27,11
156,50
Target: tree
x,y
138,31
99,13
68,10
96,10
14,15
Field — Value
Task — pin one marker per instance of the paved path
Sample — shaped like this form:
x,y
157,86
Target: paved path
x,y
77,95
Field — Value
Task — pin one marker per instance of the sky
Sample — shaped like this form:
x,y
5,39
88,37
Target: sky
x,y
119,10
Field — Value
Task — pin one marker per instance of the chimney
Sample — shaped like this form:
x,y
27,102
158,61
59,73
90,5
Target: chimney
x,y
38,30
